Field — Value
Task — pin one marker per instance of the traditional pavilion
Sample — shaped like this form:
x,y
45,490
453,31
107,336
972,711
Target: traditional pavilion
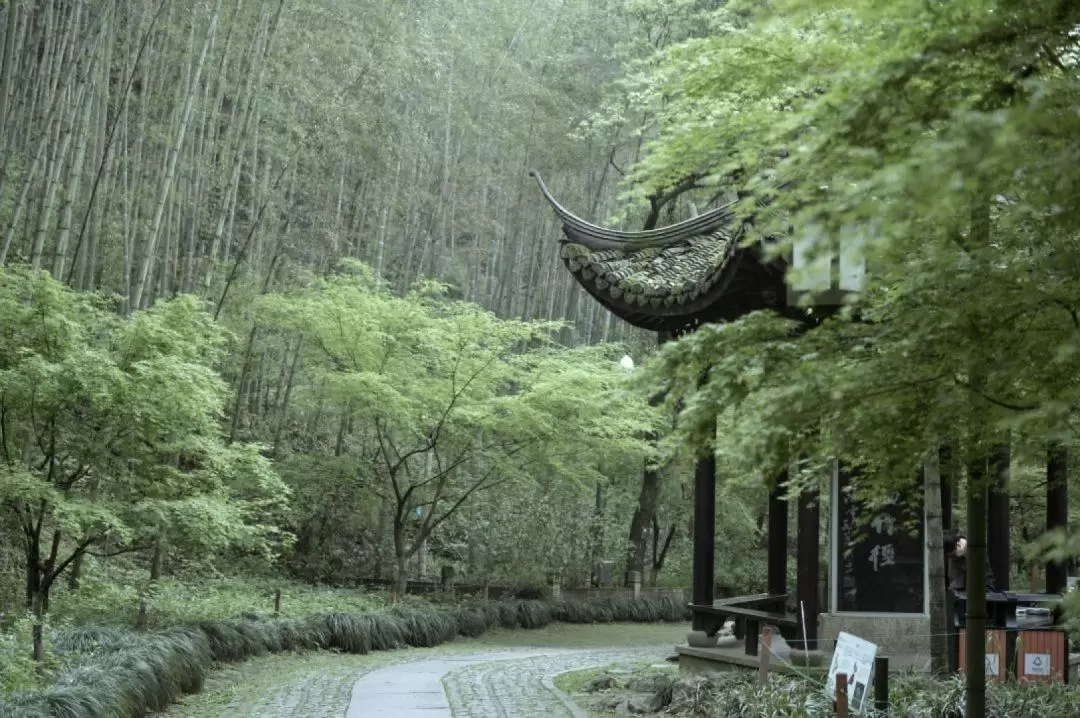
x,y
673,279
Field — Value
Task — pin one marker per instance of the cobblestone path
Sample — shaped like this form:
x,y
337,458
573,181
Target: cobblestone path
x,y
507,684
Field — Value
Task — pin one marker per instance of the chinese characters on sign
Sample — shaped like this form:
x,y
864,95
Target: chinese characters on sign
x,y
880,553
883,554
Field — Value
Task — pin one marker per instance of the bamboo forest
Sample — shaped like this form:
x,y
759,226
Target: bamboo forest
x,y
539,358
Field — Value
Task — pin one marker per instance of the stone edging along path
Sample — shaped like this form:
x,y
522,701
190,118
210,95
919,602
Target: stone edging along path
x,y
504,684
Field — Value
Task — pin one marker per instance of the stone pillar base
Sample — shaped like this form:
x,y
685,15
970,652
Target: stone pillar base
x,y
700,639
810,659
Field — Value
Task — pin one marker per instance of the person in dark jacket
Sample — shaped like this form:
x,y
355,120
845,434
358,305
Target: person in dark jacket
x,y
956,563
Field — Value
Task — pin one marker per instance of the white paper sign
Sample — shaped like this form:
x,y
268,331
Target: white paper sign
x,y
852,271
811,275
855,657
1037,664
993,664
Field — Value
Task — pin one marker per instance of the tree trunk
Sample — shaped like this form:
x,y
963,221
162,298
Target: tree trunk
x,y
939,630
73,182
401,570
38,631
977,505
380,540
642,520
975,645
75,575
156,559
165,185
660,549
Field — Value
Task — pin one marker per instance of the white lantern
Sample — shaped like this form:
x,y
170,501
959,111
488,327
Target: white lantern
x,y
828,277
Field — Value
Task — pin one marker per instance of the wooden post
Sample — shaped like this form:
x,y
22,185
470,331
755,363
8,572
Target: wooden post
x,y
140,620
881,683
808,567
1057,508
704,532
277,602
635,583
778,537
997,534
763,655
841,695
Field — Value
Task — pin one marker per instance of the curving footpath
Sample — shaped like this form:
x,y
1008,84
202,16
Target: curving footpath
x,y
506,684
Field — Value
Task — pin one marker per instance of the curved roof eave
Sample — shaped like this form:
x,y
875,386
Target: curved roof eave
x,y
593,236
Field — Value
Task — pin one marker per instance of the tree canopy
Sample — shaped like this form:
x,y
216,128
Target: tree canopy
x,y
439,399
110,432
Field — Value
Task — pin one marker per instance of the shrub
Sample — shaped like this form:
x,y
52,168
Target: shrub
x,y
575,612
645,609
348,632
128,676
237,640
533,614
508,617
425,627
297,634
472,622
387,632
911,695
491,612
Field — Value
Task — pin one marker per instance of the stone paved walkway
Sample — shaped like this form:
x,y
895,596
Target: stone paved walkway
x,y
507,684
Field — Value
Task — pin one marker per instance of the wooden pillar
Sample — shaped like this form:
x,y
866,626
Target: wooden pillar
x,y
808,558
778,537
946,471
997,515
1057,508
704,530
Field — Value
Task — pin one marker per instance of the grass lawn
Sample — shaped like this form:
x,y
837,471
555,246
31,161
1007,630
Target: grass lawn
x,y
566,635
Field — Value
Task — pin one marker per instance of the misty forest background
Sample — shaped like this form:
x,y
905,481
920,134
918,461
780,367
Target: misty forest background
x,y
239,152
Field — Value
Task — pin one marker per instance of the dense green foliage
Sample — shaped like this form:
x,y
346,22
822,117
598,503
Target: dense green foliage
x,y
935,142
938,143
910,695
434,401
110,433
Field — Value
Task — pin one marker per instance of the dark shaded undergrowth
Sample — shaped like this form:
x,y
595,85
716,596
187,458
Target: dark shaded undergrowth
x,y
122,673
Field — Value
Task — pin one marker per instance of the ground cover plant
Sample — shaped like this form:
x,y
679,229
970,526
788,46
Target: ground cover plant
x,y
112,594
649,690
118,671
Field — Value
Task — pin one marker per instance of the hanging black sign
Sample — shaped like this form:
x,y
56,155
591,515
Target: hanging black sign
x,y
880,550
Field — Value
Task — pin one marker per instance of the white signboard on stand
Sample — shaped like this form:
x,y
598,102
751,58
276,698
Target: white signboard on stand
x,y
855,658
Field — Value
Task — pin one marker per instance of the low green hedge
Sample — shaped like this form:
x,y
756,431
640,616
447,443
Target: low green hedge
x,y
121,673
